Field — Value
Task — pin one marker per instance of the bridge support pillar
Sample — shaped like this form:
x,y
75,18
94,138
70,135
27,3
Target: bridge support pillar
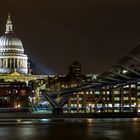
x,y
57,112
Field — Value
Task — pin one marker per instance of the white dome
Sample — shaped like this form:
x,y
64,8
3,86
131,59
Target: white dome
x,y
11,41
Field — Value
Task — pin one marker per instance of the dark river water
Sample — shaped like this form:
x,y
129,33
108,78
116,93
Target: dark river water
x,y
70,129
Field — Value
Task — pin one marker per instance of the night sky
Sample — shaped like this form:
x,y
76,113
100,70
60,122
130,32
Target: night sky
x,y
55,33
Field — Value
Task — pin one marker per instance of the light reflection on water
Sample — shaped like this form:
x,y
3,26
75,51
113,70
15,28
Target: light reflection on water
x,y
69,129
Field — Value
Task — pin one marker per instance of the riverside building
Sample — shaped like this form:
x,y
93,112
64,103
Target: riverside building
x,y
121,99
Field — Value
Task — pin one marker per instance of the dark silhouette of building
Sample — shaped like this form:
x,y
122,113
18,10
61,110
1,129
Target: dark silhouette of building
x,y
75,70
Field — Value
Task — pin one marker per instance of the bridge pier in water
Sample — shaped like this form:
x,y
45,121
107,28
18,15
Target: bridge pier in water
x,y
57,112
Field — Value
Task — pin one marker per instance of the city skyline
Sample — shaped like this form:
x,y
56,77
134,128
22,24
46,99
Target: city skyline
x,y
55,34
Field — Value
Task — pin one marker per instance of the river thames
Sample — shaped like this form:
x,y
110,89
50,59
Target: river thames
x,y
70,129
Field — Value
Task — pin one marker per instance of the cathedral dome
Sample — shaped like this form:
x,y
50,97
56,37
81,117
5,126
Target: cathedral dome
x,y
12,55
10,40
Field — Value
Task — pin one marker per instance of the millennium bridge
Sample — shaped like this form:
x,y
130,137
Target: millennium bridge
x,y
115,90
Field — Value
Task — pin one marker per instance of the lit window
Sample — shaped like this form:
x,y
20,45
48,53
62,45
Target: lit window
x,y
97,93
127,86
133,86
107,92
116,98
124,71
116,105
125,92
116,92
125,98
116,110
109,105
126,105
133,98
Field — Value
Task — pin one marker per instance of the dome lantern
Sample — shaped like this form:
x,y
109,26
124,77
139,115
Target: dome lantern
x,y
9,26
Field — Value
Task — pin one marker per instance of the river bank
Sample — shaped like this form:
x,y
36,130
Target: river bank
x,y
10,115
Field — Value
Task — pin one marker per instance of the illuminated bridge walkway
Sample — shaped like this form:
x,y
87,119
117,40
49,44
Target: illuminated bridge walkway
x,y
125,72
